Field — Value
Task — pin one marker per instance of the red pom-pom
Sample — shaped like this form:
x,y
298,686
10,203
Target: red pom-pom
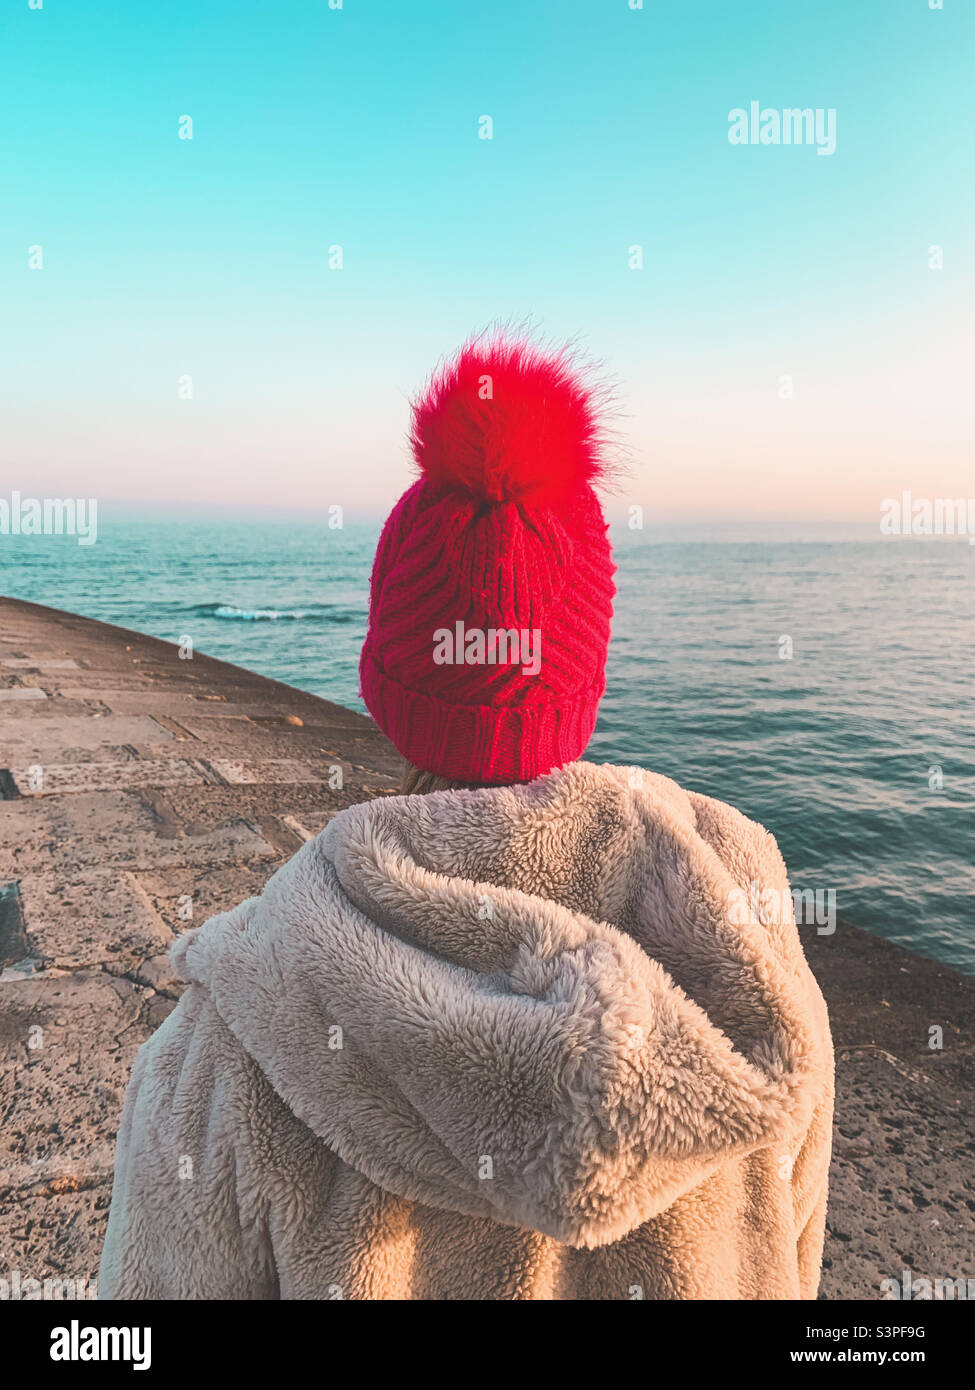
x,y
508,421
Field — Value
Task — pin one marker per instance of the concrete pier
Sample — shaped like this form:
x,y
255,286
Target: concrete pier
x,y
140,792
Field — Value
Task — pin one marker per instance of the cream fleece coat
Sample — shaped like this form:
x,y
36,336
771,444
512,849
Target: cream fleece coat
x,y
515,1043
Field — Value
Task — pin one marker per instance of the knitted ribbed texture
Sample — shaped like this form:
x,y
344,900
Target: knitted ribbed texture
x,y
541,568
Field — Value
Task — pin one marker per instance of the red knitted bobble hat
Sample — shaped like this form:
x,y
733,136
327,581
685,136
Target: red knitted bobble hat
x,y
492,587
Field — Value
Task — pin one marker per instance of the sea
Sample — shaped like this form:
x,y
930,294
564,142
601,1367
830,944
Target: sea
x,y
823,684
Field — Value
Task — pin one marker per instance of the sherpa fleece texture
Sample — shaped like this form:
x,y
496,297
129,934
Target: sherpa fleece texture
x,y
513,1043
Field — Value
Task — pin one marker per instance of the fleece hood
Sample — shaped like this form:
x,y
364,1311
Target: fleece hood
x,y
552,1005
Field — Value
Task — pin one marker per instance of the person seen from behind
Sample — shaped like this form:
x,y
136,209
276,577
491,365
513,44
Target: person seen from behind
x,y
536,1028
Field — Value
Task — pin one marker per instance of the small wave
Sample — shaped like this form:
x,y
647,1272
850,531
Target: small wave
x,y
256,615
229,613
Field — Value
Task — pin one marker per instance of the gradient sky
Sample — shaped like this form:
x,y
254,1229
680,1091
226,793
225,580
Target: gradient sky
x,y
358,127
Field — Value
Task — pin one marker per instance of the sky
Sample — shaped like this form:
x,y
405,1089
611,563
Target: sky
x,y
786,350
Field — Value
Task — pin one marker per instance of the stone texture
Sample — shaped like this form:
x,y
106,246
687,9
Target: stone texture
x,y
54,779
64,932
903,1177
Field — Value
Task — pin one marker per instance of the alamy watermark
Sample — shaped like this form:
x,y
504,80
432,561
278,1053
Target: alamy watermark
x,y
774,907
793,125
16,1287
909,1286
908,515
50,516
493,646
77,1343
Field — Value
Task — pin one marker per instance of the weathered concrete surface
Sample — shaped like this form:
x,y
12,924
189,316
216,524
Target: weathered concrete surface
x,y
140,793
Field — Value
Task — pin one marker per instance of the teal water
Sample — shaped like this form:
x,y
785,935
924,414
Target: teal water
x,y
833,749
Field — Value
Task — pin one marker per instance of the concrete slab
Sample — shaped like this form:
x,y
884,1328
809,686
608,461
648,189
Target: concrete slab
x,y
59,734
26,663
270,770
53,1231
66,1049
902,1181
98,917
56,779
185,898
138,700
18,713
91,830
